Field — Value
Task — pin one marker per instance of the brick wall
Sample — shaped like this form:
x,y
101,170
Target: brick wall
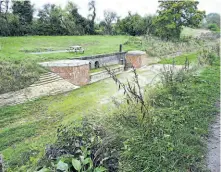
x,y
136,60
77,75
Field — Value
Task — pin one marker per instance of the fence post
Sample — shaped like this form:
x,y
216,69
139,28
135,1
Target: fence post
x,y
120,50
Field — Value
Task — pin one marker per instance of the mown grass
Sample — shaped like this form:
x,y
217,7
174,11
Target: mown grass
x,y
26,129
180,60
173,138
13,48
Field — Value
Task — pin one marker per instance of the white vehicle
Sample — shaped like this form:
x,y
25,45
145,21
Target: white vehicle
x,y
76,49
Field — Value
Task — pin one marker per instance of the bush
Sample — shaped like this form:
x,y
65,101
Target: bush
x,y
213,27
87,144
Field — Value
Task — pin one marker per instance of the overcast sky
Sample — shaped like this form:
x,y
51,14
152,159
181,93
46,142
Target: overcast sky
x,y
123,6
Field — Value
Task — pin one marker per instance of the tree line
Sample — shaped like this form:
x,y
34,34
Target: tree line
x,y
17,19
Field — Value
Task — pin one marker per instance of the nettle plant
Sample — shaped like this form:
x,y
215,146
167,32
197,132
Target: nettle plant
x,y
83,147
70,164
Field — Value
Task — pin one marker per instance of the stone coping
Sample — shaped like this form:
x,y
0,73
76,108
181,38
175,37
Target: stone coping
x,y
63,63
136,52
98,56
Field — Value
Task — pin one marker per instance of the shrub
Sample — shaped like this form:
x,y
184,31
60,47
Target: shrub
x,y
86,144
213,27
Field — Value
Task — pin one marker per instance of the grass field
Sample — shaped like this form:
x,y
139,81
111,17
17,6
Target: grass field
x,y
14,48
26,129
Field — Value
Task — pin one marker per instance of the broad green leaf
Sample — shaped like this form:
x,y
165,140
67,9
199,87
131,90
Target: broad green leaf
x,y
87,161
62,166
100,169
76,164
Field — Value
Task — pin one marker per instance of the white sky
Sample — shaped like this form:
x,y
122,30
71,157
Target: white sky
x,y
123,6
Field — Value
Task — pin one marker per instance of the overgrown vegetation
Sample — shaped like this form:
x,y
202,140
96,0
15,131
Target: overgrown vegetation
x,y
188,44
172,136
163,129
157,48
18,75
82,147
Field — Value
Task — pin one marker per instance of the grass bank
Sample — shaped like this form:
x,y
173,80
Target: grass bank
x,y
173,136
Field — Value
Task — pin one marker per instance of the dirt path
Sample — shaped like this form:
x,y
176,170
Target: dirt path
x,y
213,155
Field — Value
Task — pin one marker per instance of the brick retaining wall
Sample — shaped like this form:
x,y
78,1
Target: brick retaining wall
x,y
77,75
136,59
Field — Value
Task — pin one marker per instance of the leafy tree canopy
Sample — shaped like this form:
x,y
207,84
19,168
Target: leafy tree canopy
x,y
173,15
132,24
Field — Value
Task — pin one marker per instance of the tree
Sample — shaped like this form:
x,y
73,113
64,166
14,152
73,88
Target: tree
x,y
148,24
173,15
109,18
213,18
92,7
133,25
4,26
50,20
24,10
74,22
213,27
